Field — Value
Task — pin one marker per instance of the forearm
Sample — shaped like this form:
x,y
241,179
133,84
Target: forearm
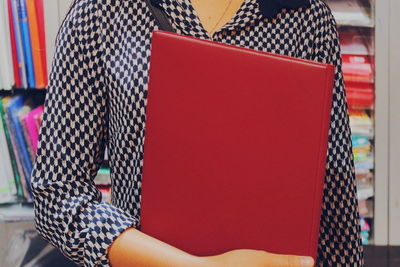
x,y
134,248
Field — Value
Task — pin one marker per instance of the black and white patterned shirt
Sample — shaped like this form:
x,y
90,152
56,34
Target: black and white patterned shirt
x,y
97,96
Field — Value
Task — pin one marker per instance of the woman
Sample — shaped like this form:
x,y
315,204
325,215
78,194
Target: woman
x,y
97,96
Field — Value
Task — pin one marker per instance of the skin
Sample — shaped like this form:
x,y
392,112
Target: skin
x,y
136,249
215,14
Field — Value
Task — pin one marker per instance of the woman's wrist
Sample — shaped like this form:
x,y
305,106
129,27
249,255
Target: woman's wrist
x,y
134,248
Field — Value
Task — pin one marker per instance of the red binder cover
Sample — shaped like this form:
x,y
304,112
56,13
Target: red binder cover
x,y
235,147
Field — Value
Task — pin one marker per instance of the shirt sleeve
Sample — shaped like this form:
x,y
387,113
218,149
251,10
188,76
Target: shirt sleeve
x,y
339,240
72,139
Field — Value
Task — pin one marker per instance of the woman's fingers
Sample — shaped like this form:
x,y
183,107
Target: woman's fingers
x,y
257,258
277,260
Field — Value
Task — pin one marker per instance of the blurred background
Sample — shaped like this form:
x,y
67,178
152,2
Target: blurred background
x,y
370,41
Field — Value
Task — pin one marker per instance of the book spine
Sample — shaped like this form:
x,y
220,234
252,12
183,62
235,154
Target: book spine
x,y
19,49
27,137
5,195
8,172
16,154
32,127
23,149
7,182
11,152
42,38
5,48
34,35
17,75
26,41
52,25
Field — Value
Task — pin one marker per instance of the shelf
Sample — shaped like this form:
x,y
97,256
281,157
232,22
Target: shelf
x,y
356,42
351,13
16,91
16,212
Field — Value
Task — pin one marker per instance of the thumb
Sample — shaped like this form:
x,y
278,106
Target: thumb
x,y
277,260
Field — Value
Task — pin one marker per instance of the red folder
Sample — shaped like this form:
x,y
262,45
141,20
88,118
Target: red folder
x,y
235,147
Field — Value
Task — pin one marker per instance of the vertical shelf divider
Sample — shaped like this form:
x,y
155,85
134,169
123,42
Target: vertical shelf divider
x,y
394,125
381,213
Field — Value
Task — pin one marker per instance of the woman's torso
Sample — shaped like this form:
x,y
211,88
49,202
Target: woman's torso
x,y
126,46
127,52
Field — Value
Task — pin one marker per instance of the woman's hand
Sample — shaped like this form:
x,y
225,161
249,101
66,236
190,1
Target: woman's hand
x,y
256,258
133,248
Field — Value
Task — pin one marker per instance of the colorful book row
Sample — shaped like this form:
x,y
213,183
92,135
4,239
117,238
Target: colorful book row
x,y
22,44
20,120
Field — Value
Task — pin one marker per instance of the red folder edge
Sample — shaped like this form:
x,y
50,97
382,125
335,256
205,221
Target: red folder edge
x,y
323,160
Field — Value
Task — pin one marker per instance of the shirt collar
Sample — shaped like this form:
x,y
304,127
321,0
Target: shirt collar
x,y
269,8
249,12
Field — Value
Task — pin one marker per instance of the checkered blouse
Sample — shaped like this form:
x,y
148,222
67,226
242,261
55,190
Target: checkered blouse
x,y
97,96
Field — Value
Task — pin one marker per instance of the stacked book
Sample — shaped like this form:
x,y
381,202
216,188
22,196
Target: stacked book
x,y
358,68
22,44
362,129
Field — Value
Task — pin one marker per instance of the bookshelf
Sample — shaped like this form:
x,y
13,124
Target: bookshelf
x,y
16,214
50,13
356,26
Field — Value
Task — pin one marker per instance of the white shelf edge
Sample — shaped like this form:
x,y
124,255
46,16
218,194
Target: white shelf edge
x,y
381,229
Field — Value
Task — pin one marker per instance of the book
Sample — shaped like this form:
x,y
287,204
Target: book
x,y
52,24
20,146
358,68
5,195
17,75
19,46
21,115
6,162
360,95
42,38
35,42
38,117
6,70
15,110
15,161
26,42
33,127
7,182
361,123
